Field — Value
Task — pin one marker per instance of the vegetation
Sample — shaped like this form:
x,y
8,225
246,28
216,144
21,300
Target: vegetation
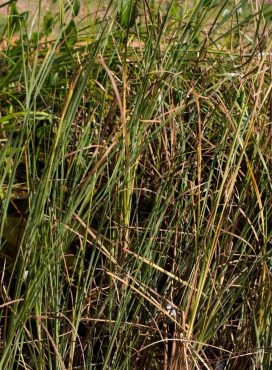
x,y
135,184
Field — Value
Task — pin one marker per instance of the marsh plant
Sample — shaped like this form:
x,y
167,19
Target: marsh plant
x,y
135,184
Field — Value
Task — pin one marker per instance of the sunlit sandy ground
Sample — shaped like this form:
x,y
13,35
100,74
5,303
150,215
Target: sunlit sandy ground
x,y
32,6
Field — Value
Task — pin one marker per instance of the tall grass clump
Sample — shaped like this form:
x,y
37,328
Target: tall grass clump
x,y
135,185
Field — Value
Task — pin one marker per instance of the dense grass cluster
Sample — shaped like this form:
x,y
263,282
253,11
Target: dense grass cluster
x,y
135,184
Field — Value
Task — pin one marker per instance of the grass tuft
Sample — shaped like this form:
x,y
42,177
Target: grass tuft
x,y
135,185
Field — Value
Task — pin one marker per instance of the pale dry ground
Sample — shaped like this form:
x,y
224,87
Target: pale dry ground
x,y
24,5
87,7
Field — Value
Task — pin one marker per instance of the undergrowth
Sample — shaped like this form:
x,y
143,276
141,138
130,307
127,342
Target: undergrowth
x,y
135,186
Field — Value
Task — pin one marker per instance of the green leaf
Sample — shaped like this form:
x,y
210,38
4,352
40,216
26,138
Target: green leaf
x,y
14,17
267,13
175,11
210,3
54,79
25,15
71,33
35,37
76,7
128,13
48,22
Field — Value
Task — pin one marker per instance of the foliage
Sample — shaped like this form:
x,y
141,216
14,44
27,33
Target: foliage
x,y
135,186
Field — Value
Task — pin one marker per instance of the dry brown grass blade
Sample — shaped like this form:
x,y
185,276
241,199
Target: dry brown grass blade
x,y
158,268
11,302
101,240
145,296
55,347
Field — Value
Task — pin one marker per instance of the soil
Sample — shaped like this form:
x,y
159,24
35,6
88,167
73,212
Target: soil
x,y
87,7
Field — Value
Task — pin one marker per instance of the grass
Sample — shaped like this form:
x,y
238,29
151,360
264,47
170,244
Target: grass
x,y
135,187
